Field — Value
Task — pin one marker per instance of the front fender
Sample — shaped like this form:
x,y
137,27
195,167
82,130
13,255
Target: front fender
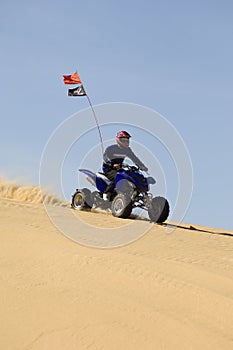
x,y
151,180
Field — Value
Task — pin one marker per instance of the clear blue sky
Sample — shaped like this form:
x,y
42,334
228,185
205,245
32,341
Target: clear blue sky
x,y
172,56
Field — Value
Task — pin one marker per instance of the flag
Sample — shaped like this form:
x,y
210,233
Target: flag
x,y
78,91
72,79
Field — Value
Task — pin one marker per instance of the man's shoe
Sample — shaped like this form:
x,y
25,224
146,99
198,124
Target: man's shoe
x,y
106,196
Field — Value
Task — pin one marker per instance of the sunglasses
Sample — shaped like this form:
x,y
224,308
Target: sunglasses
x,y
124,140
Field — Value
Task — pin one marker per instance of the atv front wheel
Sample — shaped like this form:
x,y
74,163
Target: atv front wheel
x,y
121,206
158,210
82,199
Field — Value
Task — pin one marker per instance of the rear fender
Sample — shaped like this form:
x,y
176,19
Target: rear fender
x,y
91,177
96,179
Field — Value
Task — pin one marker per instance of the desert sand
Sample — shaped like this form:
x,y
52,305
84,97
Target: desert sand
x,y
163,291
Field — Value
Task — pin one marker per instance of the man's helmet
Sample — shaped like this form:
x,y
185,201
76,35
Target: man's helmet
x,y
122,138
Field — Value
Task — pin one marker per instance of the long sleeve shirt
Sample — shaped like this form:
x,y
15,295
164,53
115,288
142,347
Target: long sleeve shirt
x,y
116,155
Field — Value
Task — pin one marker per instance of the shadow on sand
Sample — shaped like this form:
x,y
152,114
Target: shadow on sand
x,y
198,229
191,227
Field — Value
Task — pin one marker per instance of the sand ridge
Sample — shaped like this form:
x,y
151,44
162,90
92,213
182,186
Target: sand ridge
x,y
27,193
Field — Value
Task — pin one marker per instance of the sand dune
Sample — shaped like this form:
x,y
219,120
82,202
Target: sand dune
x,y
164,291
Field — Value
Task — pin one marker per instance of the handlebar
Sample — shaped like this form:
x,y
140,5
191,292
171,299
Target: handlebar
x,y
133,167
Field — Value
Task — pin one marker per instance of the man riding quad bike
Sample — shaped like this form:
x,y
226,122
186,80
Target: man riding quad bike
x,y
121,187
114,157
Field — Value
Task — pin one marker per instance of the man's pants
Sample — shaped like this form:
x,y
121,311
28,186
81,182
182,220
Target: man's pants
x,y
111,174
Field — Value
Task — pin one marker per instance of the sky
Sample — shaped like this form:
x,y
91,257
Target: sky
x,y
174,57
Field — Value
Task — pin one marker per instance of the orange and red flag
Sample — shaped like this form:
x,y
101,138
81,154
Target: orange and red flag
x,y
72,79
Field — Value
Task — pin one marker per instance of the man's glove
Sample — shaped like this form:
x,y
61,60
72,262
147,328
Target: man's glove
x,y
144,168
117,166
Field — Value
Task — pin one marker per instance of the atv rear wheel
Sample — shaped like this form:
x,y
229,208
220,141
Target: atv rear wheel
x,y
82,199
158,210
121,206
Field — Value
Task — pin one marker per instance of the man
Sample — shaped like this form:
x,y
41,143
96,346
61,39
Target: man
x,y
113,158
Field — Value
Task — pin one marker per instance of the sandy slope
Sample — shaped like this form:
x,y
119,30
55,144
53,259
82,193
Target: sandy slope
x,y
164,291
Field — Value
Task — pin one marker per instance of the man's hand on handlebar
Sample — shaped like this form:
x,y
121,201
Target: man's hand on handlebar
x,y
144,169
117,166
125,165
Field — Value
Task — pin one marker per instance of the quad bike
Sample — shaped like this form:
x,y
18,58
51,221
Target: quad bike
x,y
131,191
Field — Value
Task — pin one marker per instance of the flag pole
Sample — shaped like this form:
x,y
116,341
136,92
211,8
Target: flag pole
x,y
96,120
75,79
